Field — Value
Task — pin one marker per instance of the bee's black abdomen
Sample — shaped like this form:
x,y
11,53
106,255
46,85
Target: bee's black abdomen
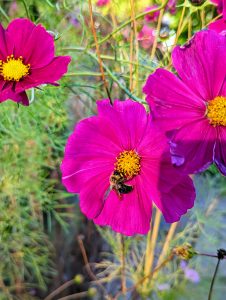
x,y
125,189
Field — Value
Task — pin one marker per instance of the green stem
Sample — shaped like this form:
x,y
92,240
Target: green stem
x,y
109,73
26,8
83,74
131,20
4,14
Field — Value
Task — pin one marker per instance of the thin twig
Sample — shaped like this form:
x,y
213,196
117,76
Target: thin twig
x,y
75,296
60,289
213,279
123,265
139,16
154,47
26,8
166,245
148,276
151,243
98,50
87,266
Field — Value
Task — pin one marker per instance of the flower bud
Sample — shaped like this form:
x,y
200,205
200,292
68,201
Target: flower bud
x,y
78,279
184,252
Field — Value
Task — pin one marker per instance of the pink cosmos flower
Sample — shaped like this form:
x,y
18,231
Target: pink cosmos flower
x,y
192,107
102,2
118,165
171,6
152,17
220,25
27,60
146,36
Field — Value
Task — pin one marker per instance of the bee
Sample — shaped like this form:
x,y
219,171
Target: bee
x,y
117,183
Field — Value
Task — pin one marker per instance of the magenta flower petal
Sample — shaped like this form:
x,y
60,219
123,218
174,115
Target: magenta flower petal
x,y
35,55
121,117
172,100
195,142
20,30
173,210
191,108
121,139
90,157
151,17
220,153
16,97
201,64
159,170
128,216
218,26
48,74
3,47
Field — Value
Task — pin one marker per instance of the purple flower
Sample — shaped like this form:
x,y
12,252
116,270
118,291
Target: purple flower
x,y
27,60
190,274
102,2
191,108
151,17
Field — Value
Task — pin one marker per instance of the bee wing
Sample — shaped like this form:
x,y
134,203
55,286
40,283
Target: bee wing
x,y
104,200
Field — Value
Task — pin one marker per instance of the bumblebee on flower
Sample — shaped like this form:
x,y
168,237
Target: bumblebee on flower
x,y
118,165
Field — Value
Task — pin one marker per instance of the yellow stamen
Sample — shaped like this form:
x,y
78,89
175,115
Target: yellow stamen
x,y
128,164
216,111
13,69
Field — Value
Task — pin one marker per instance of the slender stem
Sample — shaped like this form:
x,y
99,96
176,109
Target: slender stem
x,y
60,289
131,51
109,57
213,279
134,25
202,15
75,296
123,265
141,15
83,74
98,50
88,269
189,27
166,245
113,77
148,276
154,47
179,29
26,8
206,254
151,243
4,14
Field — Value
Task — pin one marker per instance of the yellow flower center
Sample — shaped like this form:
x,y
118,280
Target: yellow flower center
x,y
128,164
13,69
216,111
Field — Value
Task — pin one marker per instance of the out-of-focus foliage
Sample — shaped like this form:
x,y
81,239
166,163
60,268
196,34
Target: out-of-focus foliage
x,y
38,223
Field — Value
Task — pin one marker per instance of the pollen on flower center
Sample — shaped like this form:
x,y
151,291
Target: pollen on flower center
x,y
216,111
13,69
128,163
